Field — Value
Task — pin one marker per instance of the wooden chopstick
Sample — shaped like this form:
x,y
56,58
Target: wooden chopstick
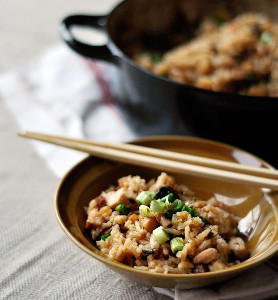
x,y
187,158
124,153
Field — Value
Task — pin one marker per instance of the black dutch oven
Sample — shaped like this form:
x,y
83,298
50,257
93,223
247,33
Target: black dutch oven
x,y
165,106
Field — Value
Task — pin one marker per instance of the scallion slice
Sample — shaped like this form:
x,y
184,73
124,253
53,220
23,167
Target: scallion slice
x,y
169,214
205,221
176,244
161,235
158,206
219,20
191,210
122,209
105,236
155,57
186,208
178,205
145,197
267,38
145,211
170,197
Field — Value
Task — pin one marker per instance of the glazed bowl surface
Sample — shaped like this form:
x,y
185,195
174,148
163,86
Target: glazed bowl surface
x,y
258,208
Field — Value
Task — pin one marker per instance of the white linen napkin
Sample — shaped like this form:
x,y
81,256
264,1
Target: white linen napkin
x,y
63,94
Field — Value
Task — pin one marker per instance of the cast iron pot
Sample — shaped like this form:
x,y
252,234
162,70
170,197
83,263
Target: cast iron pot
x,y
165,106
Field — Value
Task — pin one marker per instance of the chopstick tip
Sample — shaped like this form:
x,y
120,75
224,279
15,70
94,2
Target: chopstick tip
x,y
22,134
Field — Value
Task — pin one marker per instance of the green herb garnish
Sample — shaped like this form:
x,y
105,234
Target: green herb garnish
x,y
204,220
161,235
250,77
169,214
176,244
218,20
267,38
145,197
191,210
155,57
158,206
145,211
178,205
170,197
105,236
122,209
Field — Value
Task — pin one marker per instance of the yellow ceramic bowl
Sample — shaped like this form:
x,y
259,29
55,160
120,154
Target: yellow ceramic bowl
x,y
257,207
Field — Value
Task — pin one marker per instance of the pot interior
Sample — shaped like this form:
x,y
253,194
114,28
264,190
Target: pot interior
x,y
159,25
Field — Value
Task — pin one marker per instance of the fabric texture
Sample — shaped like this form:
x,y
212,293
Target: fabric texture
x,y
65,95
37,260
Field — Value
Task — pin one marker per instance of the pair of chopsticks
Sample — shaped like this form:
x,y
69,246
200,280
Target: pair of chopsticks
x,y
167,160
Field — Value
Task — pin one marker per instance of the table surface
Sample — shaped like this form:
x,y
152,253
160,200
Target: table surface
x,y
29,27
37,260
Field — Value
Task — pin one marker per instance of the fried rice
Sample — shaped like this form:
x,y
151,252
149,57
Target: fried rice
x,y
238,55
205,231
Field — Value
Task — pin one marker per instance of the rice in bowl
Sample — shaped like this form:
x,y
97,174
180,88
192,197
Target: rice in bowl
x,y
159,226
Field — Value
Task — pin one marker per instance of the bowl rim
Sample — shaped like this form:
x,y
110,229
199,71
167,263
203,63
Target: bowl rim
x,y
122,267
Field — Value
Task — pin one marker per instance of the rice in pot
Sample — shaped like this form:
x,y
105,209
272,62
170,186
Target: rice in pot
x,y
239,55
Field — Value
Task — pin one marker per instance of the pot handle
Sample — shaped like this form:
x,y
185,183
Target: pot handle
x,y
101,52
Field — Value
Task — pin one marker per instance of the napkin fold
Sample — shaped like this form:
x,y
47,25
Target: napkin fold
x,y
63,94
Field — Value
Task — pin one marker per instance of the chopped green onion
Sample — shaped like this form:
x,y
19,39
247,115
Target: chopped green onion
x,y
145,197
186,208
166,201
250,77
219,20
204,219
170,197
169,214
161,235
158,206
176,244
267,38
155,57
191,210
145,211
178,205
105,236
122,209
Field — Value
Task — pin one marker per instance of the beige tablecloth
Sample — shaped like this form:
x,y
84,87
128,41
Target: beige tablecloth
x,y
37,261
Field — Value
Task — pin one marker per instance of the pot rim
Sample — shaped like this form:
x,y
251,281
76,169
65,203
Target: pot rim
x,y
231,97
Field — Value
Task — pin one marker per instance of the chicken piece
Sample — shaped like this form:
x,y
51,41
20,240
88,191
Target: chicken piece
x,y
206,256
162,220
148,224
217,265
121,196
237,246
95,218
165,222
